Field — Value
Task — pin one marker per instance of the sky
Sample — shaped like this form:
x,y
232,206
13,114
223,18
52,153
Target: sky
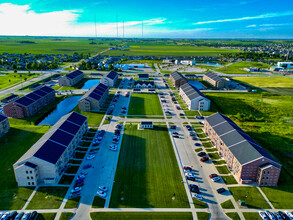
x,y
264,19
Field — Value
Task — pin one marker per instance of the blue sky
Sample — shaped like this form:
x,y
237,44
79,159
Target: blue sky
x,y
172,19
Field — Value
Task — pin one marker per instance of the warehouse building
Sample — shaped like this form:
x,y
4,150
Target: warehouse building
x,y
177,79
247,161
94,99
4,124
110,79
30,104
47,159
214,80
71,79
193,98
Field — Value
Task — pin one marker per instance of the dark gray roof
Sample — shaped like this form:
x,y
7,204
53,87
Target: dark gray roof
x,y
176,75
96,92
191,92
7,99
213,76
50,151
146,122
143,75
31,165
74,74
112,74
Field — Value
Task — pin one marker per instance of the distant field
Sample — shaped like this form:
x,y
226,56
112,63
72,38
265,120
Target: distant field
x,y
237,68
51,45
282,85
10,79
147,174
162,51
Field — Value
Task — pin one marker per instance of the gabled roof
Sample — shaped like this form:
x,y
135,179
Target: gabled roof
x,y
7,99
96,92
112,74
176,75
50,151
74,74
191,92
77,118
31,165
213,76
62,137
146,122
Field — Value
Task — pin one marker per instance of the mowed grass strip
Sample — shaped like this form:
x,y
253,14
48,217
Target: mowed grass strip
x,y
251,216
48,198
144,104
281,197
147,174
142,215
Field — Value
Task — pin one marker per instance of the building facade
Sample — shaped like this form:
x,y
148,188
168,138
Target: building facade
x,y
144,84
110,79
214,80
94,99
143,76
4,124
248,162
177,79
193,98
146,124
71,79
30,104
47,159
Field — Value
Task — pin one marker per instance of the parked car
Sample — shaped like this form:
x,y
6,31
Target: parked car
x,y
175,133
26,216
216,179
263,215
188,127
194,188
270,215
289,214
103,188
175,136
195,138
197,144
221,190
277,216
78,184
102,194
191,178
204,159
197,196
90,157
283,215
12,215
213,175
201,154
188,168
34,215
19,216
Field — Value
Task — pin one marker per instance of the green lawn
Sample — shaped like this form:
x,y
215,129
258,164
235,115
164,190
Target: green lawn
x,y
94,118
233,215
199,204
48,198
211,149
237,68
9,79
142,215
251,216
203,215
144,104
79,85
46,216
219,162
214,156
223,169
146,158
72,169
251,196
98,202
66,215
65,179
229,179
281,197
227,204
72,203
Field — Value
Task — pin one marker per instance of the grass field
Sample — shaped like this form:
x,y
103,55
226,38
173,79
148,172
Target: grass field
x,y
47,198
145,104
281,85
281,197
227,204
98,202
142,215
223,169
250,195
66,215
237,68
233,215
147,174
229,179
72,203
162,51
9,79
203,215
251,216
46,216
53,45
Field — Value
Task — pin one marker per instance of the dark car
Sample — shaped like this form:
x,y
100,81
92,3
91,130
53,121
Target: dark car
x,y
197,144
187,168
175,136
221,190
173,127
12,215
203,159
181,114
192,178
283,215
34,215
201,154
194,188
87,166
188,127
213,175
195,138
78,184
19,216
175,133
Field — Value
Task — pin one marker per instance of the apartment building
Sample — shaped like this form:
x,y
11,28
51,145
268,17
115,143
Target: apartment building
x,y
94,99
177,79
47,159
247,161
71,79
214,80
30,104
193,98
4,124
110,79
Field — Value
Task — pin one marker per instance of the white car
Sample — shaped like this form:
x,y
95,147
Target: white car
x,y
197,196
90,157
216,179
188,174
289,214
76,189
102,194
103,188
263,215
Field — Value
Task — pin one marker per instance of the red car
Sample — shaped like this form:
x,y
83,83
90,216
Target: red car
x,y
213,175
187,168
203,159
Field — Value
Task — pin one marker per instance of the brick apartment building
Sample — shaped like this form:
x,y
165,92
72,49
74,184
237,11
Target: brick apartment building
x,y
94,99
177,79
47,159
28,105
71,79
214,80
4,125
247,161
110,79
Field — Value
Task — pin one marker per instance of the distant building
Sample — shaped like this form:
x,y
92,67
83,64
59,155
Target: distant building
x,y
146,124
28,105
252,69
193,98
177,79
214,80
169,61
143,76
4,124
9,99
47,159
247,161
94,99
277,69
286,65
110,79
144,84
71,79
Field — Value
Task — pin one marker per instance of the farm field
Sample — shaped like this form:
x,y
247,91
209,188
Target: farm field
x,y
146,158
162,51
281,85
144,104
9,79
53,45
237,68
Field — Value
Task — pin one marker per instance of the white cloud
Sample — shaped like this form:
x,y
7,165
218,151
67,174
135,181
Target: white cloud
x,y
250,26
268,15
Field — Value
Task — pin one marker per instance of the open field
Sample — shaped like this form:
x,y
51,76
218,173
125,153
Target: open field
x,y
9,79
46,216
281,197
281,85
203,215
66,215
52,45
162,51
227,204
237,68
146,163
145,104
233,215
142,215
251,216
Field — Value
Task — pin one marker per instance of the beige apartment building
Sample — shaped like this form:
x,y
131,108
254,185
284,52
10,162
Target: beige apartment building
x,y
214,80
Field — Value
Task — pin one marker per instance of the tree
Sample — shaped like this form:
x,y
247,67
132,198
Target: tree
x,y
111,67
14,66
34,66
28,65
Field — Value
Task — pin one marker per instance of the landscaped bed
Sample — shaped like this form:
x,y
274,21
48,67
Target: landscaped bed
x,y
72,203
223,169
227,204
229,179
66,179
98,202
71,169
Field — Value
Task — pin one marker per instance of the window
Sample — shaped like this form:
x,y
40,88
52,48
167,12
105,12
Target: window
x,y
31,171
26,172
33,183
27,177
32,177
29,183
